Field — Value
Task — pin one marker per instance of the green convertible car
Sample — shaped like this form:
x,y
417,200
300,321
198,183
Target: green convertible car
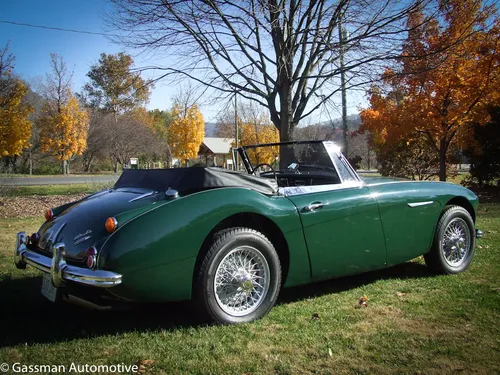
x,y
231,240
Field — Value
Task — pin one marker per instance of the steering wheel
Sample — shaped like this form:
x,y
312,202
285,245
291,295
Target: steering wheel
x,y
268,165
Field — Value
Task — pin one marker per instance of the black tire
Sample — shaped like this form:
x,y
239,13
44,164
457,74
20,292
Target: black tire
x,y
442,258
229,245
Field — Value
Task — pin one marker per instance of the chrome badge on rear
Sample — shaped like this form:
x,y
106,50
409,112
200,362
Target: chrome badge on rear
x,y
79,238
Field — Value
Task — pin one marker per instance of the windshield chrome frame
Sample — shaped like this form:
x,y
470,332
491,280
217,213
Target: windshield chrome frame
x,y
331,149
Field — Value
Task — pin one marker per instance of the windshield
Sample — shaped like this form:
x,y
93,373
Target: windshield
x,y
300,166
289,157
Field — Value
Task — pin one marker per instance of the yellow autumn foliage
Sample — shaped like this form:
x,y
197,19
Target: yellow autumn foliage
x,y
186,132
259,133
15,128
63,131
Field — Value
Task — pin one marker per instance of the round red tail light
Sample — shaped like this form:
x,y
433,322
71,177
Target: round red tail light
x,y
91,257
49,215
34,239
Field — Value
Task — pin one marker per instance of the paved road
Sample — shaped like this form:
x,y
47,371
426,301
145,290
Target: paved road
x,y
62,180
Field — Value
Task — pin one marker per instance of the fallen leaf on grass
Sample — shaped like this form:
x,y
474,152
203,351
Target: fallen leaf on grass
x,y
143,364
315,316
33,206
146,362
401,294
330,353
363,302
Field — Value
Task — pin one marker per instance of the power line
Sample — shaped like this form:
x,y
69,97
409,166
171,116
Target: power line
x,y
55,28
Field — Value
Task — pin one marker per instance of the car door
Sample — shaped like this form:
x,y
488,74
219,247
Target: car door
x,y
342,229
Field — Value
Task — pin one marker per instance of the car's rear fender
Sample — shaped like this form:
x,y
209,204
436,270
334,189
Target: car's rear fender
x,y
156,250
410,211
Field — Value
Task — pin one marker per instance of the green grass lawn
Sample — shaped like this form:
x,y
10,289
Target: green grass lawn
x,y
415,323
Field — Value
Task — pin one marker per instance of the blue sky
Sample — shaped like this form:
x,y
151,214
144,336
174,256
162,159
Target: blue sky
x,y
32,46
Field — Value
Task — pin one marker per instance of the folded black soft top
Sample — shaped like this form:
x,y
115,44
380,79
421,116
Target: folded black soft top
x,y
190,180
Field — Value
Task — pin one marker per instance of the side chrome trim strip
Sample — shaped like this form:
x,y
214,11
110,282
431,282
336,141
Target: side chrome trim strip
x,y
289,191
418,204
145,195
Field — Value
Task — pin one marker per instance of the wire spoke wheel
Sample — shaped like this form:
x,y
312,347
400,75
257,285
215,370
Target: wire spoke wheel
x,y
241,281
456,242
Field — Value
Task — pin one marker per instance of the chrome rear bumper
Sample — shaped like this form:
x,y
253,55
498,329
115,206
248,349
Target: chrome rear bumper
x,y
59,270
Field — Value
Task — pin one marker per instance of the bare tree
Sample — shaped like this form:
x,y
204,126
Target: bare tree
x,y
360,145
98,137
284,55
33,154
224,127
186,97
317,132
128,137
58,82
6,61
56,90
248,112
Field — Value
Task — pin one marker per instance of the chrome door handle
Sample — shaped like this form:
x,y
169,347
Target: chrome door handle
x,y
313,207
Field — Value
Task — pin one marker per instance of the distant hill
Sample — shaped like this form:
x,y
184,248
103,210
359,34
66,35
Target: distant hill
x,y
210,129
331,130
353,122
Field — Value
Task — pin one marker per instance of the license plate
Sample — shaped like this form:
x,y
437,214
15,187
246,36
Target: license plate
x,y
49,291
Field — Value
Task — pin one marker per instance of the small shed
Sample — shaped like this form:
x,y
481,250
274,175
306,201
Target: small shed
x,y
216,152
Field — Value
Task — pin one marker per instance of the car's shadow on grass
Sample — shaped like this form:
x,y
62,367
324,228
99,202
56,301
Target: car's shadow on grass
x,y
409,270
27,318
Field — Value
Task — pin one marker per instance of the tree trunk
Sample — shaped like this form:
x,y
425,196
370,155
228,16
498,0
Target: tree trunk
x,y
369,157
87,163
443,148
63,166
13,160
286,153
31,162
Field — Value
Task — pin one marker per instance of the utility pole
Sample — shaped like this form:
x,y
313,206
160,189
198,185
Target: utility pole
x,y
236,131
342,38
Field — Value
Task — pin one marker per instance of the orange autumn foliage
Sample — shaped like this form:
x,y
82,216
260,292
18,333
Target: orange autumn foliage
x,y
186,132
63,130
449,73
